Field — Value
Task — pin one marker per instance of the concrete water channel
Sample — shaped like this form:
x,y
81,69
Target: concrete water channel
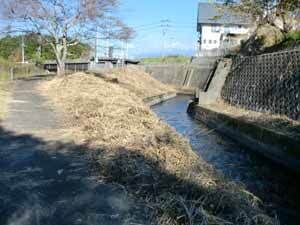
x,y
277,187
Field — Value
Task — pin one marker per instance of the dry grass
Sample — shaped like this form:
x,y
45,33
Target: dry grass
x,y
147,157
138,82
278,123
4,96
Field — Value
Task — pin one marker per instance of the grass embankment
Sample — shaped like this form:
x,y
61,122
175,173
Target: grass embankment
x,y
136,81
4,96
167,60
138,151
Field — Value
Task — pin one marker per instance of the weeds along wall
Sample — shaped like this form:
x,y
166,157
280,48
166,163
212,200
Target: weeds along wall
x,y
266,83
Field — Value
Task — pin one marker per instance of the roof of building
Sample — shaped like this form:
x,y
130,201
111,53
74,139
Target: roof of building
x,y
209,13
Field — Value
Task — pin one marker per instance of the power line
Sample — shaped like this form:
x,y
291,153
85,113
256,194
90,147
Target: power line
x,y
96,45
165,25
171,26
149,28
147,25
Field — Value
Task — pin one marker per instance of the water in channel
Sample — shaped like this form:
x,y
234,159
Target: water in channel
x,y
276,186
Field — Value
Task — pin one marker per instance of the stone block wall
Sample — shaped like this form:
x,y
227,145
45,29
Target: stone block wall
x,y
265,83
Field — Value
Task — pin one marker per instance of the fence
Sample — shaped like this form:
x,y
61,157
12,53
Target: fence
x,y
79,66
268,83
16,71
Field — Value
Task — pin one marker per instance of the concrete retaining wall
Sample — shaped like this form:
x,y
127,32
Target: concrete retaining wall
x,y
276,146
154,100
168,74
266,83
213,94
193,75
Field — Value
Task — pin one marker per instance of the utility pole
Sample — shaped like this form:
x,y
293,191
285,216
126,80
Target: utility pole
x,y
164,43
123,50
23,50
165,24
107,48
39,50
96,46
127,56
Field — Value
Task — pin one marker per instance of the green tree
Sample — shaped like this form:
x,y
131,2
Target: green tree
x,y
10,47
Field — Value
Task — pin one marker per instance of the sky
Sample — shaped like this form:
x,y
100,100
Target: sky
x,y
146,16
163,27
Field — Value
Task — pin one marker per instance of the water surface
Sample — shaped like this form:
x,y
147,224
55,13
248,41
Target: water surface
x,y
275,185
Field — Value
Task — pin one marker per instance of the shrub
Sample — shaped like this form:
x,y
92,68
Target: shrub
x,y
293,36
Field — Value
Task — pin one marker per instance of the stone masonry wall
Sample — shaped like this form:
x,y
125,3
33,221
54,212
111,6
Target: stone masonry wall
x,y
265,83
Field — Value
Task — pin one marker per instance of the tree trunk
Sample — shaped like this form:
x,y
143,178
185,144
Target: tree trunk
x,y
60,50
60,68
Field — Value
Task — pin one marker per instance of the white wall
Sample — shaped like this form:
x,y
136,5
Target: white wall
x,y
211,34
210,40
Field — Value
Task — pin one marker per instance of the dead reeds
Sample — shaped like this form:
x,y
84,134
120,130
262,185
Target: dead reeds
x,y
138,151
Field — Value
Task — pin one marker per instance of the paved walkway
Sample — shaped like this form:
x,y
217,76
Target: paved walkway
x,y
46,180
28,111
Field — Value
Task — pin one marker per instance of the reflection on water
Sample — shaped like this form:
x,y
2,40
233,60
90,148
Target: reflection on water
x,y
276,186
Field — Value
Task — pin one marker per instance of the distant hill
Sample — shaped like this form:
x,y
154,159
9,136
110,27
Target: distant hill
x,y
10,49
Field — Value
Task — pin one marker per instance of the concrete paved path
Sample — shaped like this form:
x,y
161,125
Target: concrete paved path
x,y
28,111
47,180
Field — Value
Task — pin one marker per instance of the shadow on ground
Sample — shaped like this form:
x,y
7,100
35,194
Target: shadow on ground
x,y
50,182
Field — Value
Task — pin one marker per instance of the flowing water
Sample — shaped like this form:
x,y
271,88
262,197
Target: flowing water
x,y
276,186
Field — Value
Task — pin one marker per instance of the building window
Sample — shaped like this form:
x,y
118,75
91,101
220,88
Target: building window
x,y
215,29
204,41
210,41
215,41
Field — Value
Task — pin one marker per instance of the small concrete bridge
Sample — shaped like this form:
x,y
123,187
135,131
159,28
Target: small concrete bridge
x,y
84,65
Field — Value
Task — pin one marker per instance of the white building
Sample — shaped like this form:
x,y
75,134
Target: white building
x,y
219,30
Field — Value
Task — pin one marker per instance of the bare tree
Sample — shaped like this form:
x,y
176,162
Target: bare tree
x,y
63,23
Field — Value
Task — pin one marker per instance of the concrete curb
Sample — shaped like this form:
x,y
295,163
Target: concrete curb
x,y
154,100
276,146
